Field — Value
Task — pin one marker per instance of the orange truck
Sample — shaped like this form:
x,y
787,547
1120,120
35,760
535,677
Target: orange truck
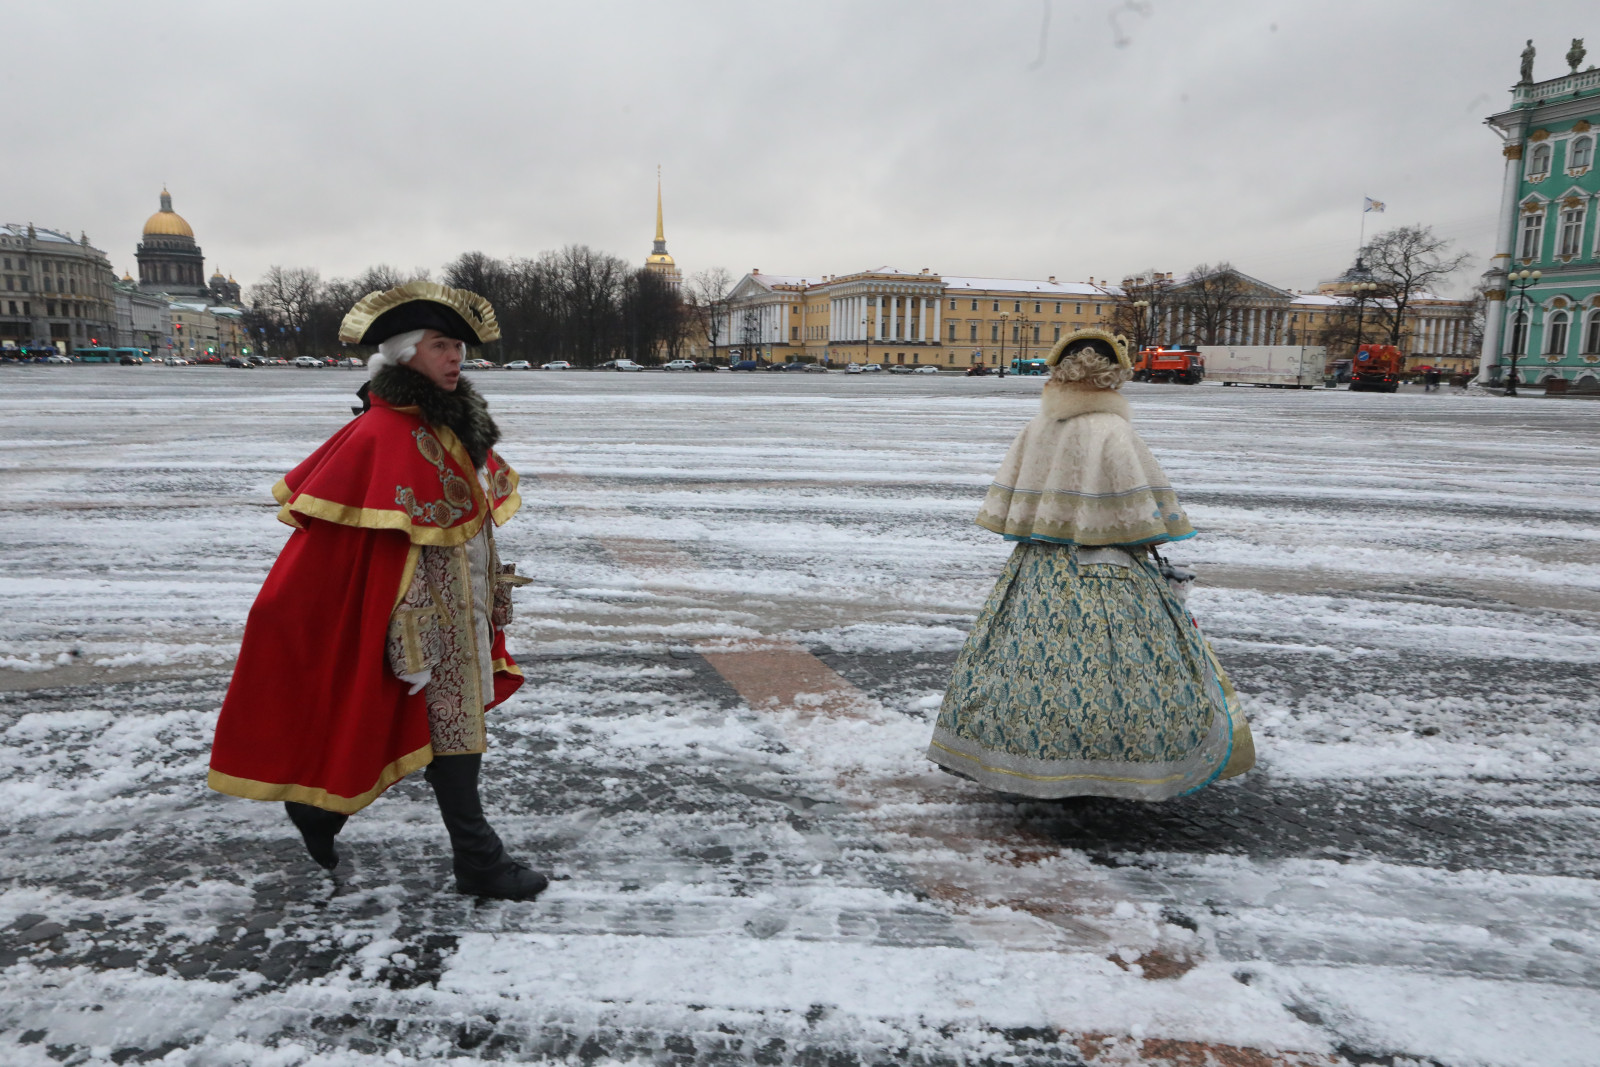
x,y
1182,365
1376,369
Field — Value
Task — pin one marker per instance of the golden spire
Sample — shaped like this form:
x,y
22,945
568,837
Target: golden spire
x,y
661,233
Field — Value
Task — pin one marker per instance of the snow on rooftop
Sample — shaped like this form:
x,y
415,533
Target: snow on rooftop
x,y
39,233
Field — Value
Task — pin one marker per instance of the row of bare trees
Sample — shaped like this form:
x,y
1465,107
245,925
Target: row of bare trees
x,y
574,303
1204,307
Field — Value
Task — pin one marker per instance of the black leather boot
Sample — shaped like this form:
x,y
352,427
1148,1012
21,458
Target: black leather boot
x,y
318,828
481,865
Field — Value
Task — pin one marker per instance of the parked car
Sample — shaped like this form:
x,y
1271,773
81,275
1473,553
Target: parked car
x,y
557,364
744,364
679,364
899,368
852,368
707,366
351,361
979,371
519,364
925,369
308,361
872,368
815,368
620,364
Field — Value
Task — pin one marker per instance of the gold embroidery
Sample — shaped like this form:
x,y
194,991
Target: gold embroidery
x,y
457,493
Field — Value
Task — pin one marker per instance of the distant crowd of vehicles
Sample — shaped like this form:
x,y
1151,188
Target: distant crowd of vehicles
x,y
1373,368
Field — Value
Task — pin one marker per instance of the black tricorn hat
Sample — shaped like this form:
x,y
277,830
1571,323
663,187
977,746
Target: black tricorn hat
x,y
420,305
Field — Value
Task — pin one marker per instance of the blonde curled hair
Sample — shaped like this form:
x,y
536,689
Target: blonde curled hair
x,y
1084,363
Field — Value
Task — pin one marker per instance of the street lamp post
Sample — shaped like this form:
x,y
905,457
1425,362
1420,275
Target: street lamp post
x,y
1521,323
866,341
1005,319
1363,291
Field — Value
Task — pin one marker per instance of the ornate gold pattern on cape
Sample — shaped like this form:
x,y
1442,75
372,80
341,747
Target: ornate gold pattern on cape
x,y
432,629
1078,473
478,312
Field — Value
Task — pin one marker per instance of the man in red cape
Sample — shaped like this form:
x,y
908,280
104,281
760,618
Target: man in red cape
x,y
377,642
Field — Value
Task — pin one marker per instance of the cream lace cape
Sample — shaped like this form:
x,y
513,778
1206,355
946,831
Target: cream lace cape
x,y
1079,474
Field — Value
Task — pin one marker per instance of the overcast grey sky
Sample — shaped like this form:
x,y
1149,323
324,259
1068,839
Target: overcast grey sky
x,y
816,137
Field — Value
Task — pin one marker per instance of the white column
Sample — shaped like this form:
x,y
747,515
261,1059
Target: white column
x,y
877,303
1494,314
892,311
938,326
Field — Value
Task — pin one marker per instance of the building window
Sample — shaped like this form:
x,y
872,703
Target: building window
x,y
952,303
1058,334
1058,307
794,333
1519,334
1015,333
1556,342
1539,163
1016,305
1036,307
47,284
952,331
1532,234
1036,334
1097,309
994,331
1582,153
1571,230
997,305
1591,335
13,307
972,332
1077,309
974,305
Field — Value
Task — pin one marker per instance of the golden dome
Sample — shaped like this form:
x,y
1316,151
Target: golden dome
x,y
166,222
127,277
661,258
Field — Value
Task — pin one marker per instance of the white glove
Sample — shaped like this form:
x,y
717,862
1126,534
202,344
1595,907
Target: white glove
x,y
417,681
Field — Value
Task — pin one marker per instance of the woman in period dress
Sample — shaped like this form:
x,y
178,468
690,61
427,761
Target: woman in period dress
x,y
1084,674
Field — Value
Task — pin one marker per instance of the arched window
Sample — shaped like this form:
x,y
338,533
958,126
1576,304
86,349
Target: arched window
x,y
1582,152
1519,334
1591,334
1539,165
1556,335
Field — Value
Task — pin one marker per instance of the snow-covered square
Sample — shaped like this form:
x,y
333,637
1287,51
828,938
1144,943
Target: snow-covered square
x,y
747,594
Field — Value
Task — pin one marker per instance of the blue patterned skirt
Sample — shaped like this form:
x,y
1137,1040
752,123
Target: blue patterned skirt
x,y
1088,679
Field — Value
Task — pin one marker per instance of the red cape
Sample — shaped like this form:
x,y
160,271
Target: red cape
x,y
314,714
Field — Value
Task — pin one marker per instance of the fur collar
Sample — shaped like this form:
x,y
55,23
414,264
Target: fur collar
x,y
1066,402
464,410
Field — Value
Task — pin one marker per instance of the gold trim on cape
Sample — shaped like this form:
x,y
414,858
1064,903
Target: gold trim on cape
x,y
320,798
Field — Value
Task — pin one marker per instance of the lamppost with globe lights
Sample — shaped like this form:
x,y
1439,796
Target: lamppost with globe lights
x,y
1522,323
1141,311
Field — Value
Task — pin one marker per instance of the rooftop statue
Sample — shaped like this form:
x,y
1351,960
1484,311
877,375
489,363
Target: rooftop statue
x,y
1575,54
1527,64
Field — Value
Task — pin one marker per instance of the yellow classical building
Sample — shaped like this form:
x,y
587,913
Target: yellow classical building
x,y
892,316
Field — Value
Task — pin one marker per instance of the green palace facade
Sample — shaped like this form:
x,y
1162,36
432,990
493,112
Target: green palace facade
x,y
1550,223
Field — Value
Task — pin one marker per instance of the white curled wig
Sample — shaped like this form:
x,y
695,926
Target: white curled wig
x,y
397,349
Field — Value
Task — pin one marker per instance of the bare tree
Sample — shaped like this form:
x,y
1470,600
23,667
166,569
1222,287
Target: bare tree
x,y
1406,263
1209,298
1149,325
288,299
706,298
